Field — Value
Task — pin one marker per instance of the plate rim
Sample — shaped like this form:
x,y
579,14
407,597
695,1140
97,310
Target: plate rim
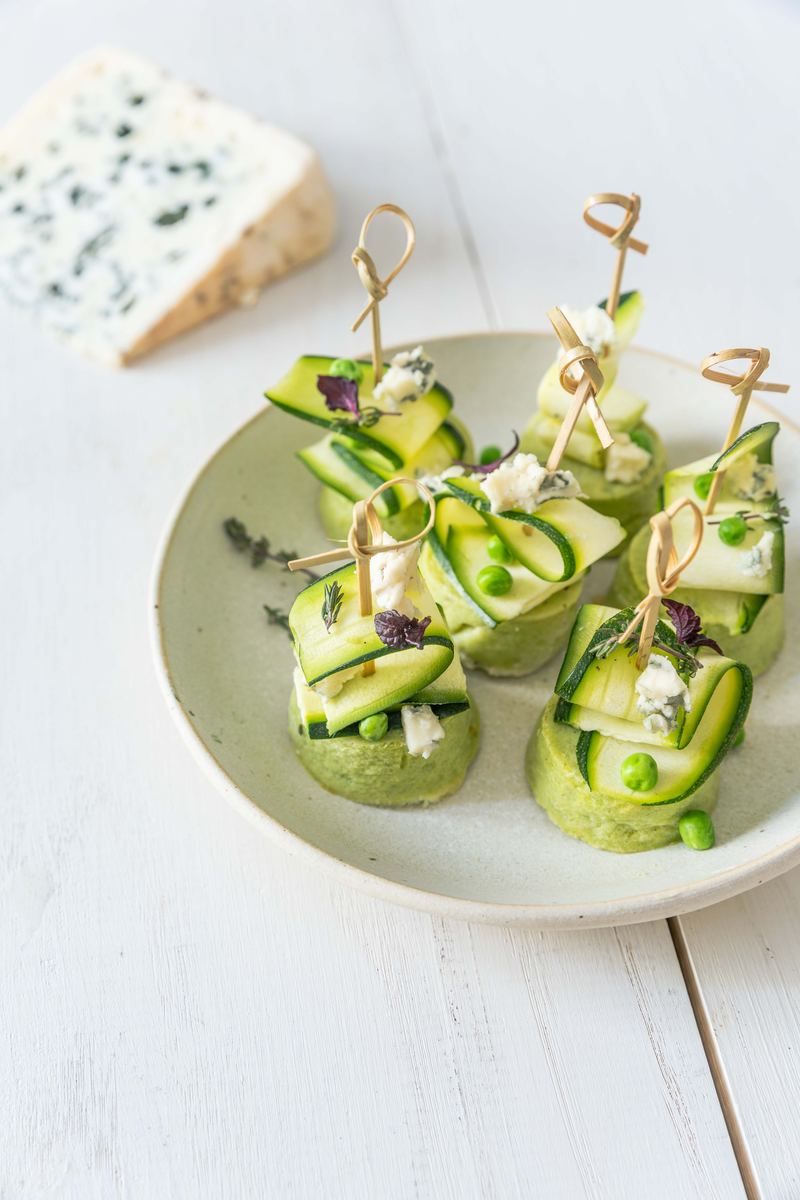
x,y
647,906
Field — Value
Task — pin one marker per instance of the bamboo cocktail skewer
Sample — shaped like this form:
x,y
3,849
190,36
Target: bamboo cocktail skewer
x,y
663,573
620,238
365,518
584,391
365,522
742,386
377,287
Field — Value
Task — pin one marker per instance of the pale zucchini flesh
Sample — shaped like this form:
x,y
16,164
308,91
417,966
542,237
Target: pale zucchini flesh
x,y
468,554
718,566
562,538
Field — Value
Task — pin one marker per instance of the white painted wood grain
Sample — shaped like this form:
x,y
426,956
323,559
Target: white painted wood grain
x,y
185,1011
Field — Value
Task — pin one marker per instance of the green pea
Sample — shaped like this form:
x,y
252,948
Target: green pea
x,y
494,581
373,728
732,531
737,741
639,772
642,439
697,829
347,369
490,454
498,550
702,485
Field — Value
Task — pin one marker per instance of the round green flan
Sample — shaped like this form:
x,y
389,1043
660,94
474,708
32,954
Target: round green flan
x,y
384,773
605,821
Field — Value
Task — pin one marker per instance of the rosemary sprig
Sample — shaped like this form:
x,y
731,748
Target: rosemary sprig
x,y
260,550
332,603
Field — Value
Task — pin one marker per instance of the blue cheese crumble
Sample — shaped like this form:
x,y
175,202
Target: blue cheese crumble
x,y
422,729
626,461
524,485
661,692
757,561
752,480
411,374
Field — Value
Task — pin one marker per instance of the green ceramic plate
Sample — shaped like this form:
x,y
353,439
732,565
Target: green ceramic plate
x,y
488,853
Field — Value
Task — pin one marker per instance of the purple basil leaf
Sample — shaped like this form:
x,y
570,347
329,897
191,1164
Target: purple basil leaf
x,y
339,393
398,631
416,631
687,626
684,618
485,468
702,640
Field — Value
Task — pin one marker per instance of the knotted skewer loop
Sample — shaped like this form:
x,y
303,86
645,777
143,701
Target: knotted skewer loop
x,y
589,366
620,238
377,288
358,545
584,390
365,522
742,386
750,379
663,573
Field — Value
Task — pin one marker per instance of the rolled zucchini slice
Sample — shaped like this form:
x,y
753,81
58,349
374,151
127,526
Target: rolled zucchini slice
x,y
397,438
352,641
749,627
510,648
559,540
688,480
598,696
334,464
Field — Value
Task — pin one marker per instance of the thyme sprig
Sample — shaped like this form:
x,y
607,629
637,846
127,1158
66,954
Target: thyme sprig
x,y
332,603
365,419
276,616
779,513
260,550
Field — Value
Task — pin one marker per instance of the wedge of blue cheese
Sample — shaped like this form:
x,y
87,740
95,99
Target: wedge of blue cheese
x,y
133,206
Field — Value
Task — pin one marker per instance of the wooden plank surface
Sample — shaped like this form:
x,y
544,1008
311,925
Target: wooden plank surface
x,y
745,954
187,1011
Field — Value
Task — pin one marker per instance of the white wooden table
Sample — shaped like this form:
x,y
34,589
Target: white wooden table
x,y
186,1012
